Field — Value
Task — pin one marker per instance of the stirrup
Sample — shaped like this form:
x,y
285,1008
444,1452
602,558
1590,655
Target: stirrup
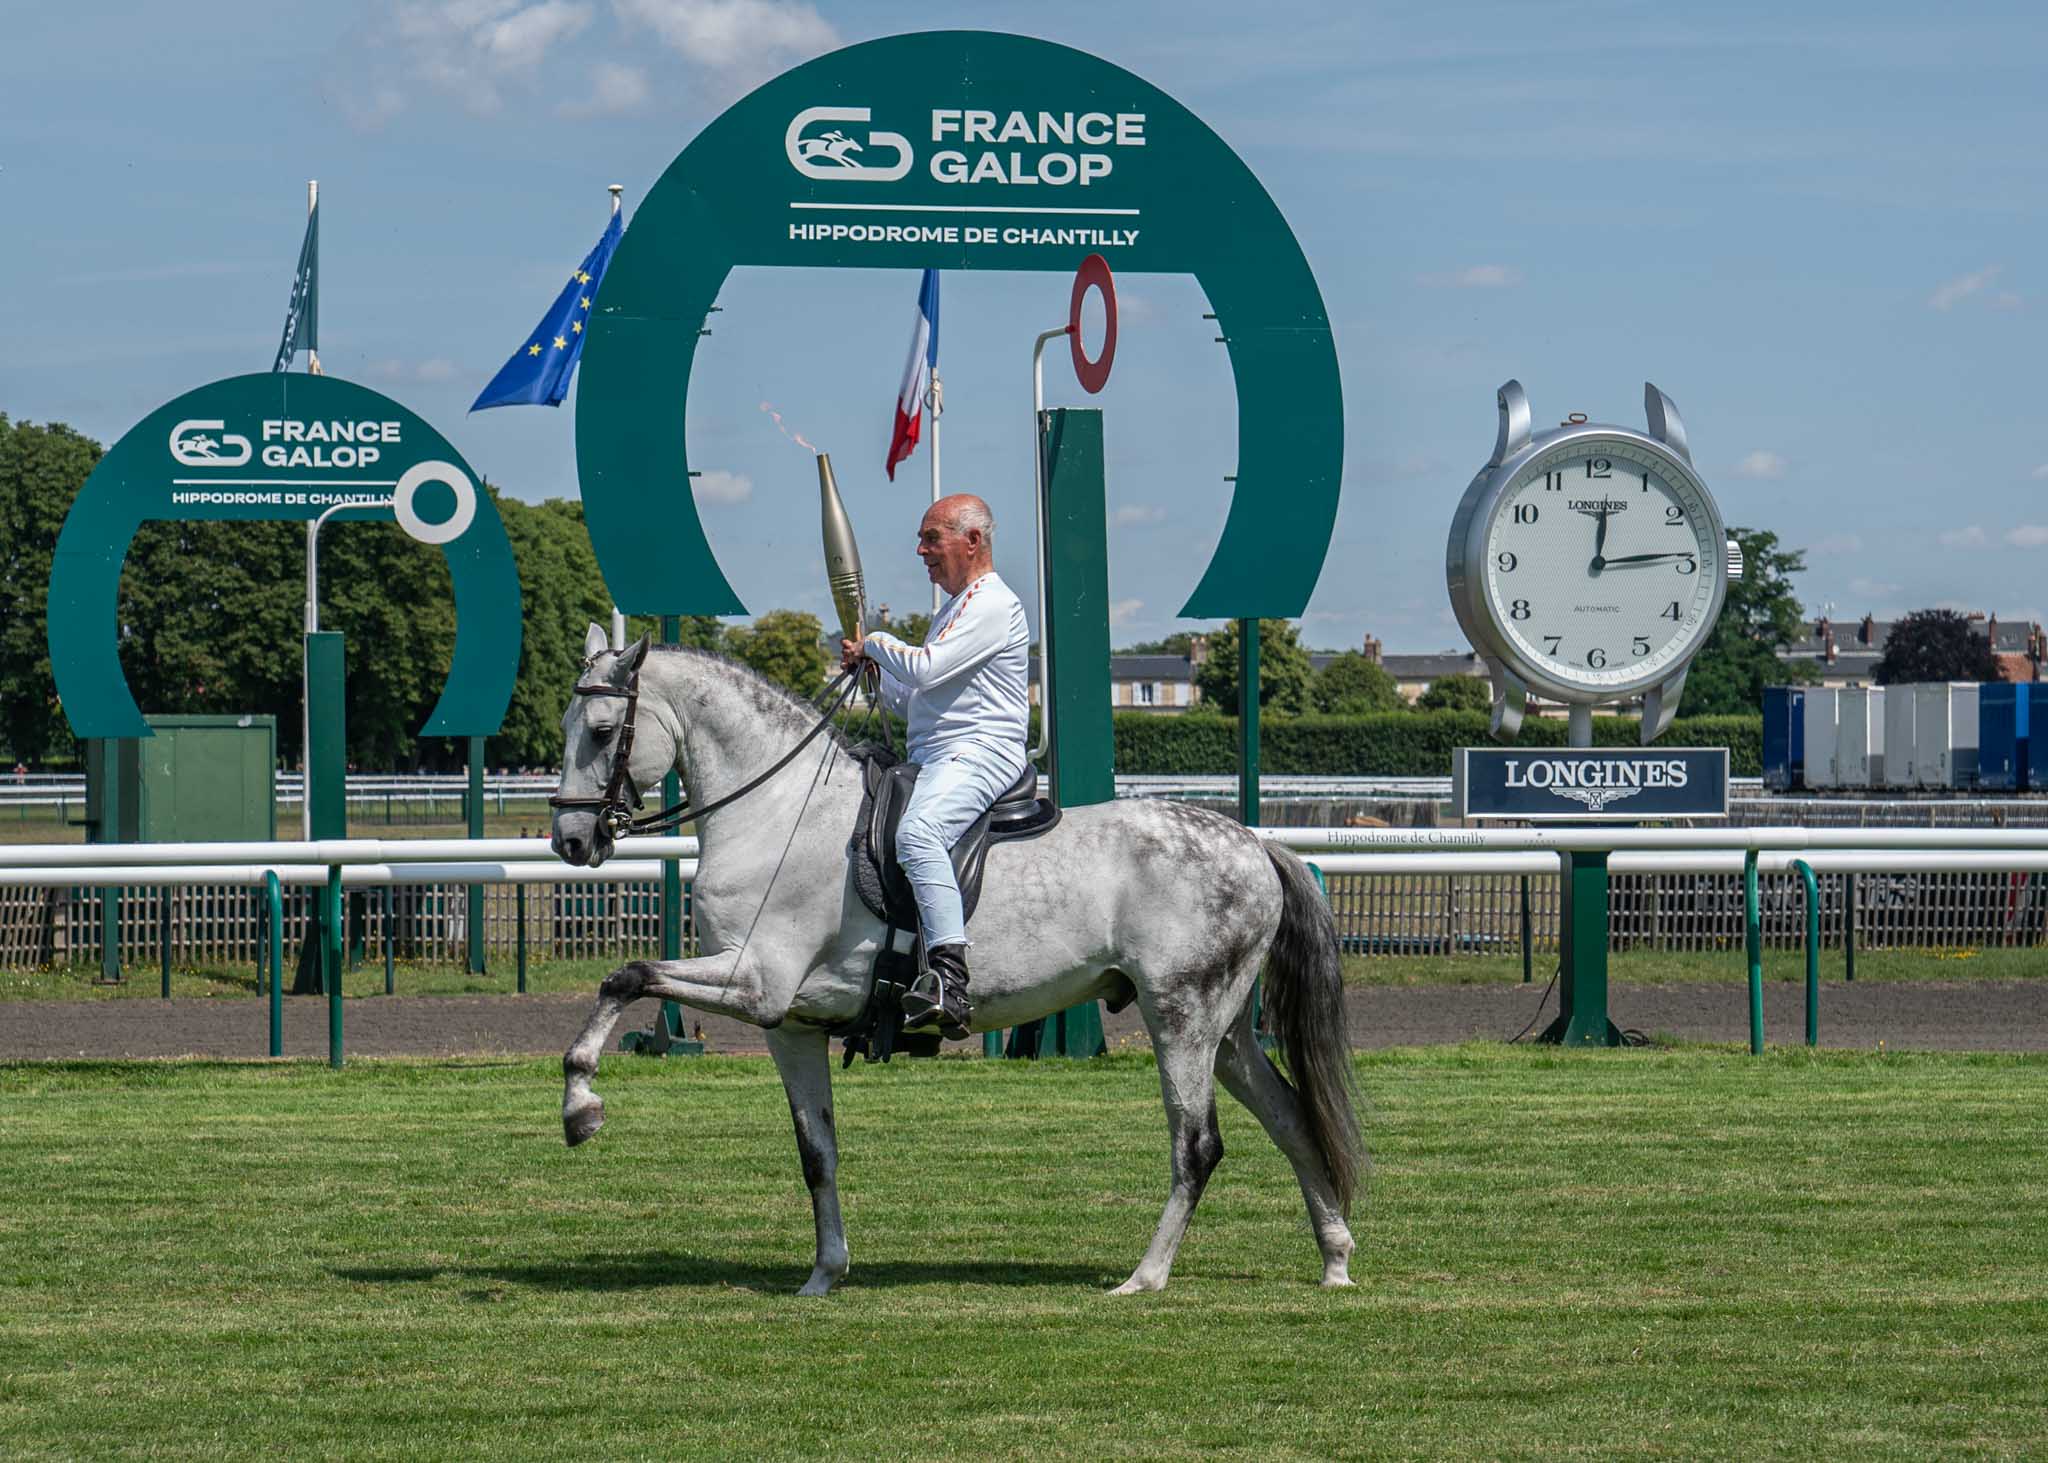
x,y
948,1012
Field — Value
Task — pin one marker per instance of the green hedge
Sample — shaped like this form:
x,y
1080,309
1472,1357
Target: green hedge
x,y
1393,744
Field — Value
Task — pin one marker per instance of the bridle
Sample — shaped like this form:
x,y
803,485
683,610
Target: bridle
x,y
616,805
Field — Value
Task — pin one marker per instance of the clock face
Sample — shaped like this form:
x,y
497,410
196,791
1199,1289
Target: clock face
x,y
1602,558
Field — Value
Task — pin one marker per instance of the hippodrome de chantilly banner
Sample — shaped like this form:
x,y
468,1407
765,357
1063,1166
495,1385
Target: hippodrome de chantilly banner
x,y
282,446
958,150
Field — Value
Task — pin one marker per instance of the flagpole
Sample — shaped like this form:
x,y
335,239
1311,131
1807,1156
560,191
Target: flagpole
x,y
312,202
935,403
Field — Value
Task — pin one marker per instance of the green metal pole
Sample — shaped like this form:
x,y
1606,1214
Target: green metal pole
x,y
390,944
476,830
273,894
1849,924
671,870
1528,956
163,936
1248,722
519,940
1583,1021
1753,943
334,939
1812,950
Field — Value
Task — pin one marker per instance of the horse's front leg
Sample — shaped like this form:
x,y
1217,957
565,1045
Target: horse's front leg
x,y
803,1057
707,982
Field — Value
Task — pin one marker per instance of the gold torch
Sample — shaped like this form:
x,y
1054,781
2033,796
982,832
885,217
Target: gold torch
x,y
842,555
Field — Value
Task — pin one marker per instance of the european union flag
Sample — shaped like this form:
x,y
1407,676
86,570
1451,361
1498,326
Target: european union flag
x,y
539,371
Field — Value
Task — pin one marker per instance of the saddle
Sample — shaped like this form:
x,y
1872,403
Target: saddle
x,y
886,785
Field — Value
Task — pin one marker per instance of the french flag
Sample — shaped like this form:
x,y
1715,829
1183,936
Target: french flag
x,y
917,372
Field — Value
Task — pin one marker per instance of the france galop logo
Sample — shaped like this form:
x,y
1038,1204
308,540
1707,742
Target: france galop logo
x,y
193,444
834,157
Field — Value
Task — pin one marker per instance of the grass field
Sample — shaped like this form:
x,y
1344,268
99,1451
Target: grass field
x,y
79,982
1675,1253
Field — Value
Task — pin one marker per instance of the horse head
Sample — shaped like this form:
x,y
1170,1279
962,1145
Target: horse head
x,y
609,752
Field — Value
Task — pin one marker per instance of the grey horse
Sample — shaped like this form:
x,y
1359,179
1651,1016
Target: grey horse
x,y
1176,907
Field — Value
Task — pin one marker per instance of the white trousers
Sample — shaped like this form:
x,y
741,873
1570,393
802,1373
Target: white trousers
x,y
952,791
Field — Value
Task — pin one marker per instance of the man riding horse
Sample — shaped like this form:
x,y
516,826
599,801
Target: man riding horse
x,y
965,695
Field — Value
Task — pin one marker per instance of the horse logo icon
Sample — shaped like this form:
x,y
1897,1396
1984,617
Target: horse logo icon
x,y
1596,798
191,446
829,155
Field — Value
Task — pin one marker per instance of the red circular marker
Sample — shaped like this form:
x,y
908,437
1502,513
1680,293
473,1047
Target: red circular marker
x,y
1093,273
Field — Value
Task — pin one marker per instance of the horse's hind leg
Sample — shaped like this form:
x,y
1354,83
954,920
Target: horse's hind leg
x,y
1254,1081
803,1057
1187,1081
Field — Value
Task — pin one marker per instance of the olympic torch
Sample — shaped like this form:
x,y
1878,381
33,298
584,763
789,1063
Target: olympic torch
x,y
842,555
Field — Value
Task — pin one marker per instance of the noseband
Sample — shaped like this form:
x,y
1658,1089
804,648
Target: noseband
x,y
616,805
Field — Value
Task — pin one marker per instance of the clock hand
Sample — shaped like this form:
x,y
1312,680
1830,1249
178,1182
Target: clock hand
x,y
1644,559
1599,543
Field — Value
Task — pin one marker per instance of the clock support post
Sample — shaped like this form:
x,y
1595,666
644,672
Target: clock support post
x,y
1582,956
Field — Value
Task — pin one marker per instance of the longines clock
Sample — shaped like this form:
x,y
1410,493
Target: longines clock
x,y
1588,564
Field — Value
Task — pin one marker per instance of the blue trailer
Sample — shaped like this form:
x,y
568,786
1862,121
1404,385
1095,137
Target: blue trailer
x,y
1784,737
2002,718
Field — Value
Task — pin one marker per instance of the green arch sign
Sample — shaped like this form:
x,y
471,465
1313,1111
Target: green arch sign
x,y
957,150
280,446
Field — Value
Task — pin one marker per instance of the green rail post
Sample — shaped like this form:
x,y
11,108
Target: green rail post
x,y
273,894
1849,925
1753,945
163,935
325,790
1528,956
519,940
1248,722
476,830
671,1020
334,939
1582,960
1812,950
390,943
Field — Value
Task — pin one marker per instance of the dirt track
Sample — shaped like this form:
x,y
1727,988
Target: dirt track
x,y
1979,1015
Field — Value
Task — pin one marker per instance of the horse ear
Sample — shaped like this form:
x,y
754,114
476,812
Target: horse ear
x,y
635,653
595,641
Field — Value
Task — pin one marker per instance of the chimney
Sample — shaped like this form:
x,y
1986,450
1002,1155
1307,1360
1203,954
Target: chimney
x,y
1198,650
1372,649
1867,631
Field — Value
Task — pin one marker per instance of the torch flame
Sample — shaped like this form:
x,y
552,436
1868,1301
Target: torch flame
x,y
796,437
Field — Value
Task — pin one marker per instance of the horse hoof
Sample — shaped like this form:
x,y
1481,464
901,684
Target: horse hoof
x,y
580,1124
1135,1286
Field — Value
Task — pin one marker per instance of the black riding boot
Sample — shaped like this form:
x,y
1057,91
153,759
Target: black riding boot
x,y
939,1001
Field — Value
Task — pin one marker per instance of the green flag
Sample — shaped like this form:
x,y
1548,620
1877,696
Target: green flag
x,y
302,319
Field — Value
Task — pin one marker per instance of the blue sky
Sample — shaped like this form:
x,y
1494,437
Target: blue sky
x,y
1818,228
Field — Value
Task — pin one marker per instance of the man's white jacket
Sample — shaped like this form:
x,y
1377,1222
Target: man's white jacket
x,y
965,691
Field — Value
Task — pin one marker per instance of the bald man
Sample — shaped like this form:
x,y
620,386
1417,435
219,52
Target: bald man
x,y
964,693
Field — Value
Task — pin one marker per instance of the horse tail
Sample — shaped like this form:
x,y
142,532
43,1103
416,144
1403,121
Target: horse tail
x,y
1305,1008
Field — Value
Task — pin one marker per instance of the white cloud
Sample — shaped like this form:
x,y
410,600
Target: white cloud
x,y
733,34
1477,277
2008,300
1122,612
436,370
614,89
1761,465
525,38
1840,543
1950,292
1133,513
467,49
2027,536
1971,537
2040,474
720,486
1873,588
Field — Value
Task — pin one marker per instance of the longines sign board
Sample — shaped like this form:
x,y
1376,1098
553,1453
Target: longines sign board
x,y
1577,784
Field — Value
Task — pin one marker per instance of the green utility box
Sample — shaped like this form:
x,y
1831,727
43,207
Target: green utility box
x,y
200,779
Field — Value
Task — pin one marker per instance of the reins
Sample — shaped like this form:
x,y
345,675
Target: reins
x,y
614,805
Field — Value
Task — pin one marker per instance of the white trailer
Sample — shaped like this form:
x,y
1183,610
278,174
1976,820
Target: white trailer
x,y
1822,768
1898,736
